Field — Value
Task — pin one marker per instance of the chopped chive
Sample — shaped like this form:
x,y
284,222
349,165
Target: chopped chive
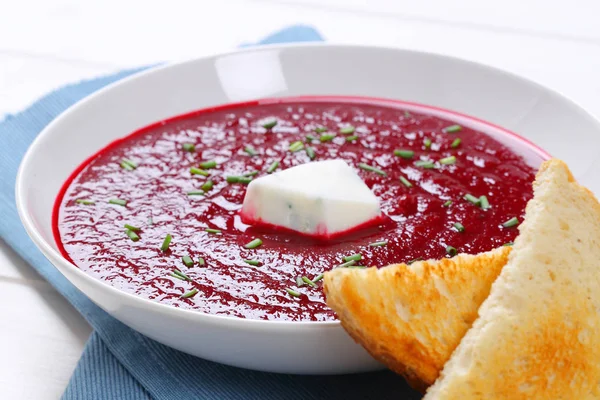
x,y
414,260
320,129
181,274
369,168
406,154
447,204
296,146
239,179
245,180
452,128
213,231
448,160
405,182
378,244
201,262
250,150
299,281
310,138
131,227
196,193
514,221
427,164
272,167
308,281
310,152
456,143
451,251
208,164
351,138
174,275
472,199
326,138
256,263
458,226
484,203
126,166
253,244
85,202
508,244
292,292
189,147
346,264
132,235
189,294
198,171
187,260
427,143
206,186
253,173
354,257
118,202
166,242
347,130
269,124
407,114
318,278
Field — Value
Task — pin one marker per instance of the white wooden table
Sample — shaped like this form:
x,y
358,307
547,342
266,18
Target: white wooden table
x,y
45,44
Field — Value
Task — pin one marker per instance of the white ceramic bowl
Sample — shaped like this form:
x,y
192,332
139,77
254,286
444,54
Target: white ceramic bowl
x,y
544,117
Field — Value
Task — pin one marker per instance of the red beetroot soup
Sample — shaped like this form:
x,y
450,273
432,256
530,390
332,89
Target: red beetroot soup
x,y
149,174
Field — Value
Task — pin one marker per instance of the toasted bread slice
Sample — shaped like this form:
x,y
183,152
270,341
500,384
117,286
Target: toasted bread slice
x,y
411,317
538,333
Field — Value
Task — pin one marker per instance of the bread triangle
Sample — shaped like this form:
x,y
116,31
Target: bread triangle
x,y
411,317
538,333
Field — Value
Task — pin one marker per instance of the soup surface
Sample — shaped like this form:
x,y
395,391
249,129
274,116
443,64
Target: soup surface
x,y
171,178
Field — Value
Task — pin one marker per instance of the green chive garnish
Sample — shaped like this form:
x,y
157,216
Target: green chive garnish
x,y
131,227
85,202
166,242
414,260
308,281
272,167
351,138
406,154
354,257
508,244
455,143
187,260
320,129
451,251
407,114
208,164
514,221
196,193
472,199
253,173
269,124
206,186
201,262
189,294
132,235
174,275
239,179
484,203
128,164
427,164
447,204
118,202
347,130
448,160
213,231
427,143
181,275
452,128
369,168
250,150
296,146
189,147
256,263
310,152
253,244
292,292
326,138
310,138
299,281
346,264
198,171
318,278
378,244
405,182
458,226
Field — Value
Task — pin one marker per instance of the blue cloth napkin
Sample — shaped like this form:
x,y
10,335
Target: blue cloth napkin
x,y
118,362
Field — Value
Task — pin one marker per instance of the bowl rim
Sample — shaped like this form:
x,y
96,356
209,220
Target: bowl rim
x,y
56,257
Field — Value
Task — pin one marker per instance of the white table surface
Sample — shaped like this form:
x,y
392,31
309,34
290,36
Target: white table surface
x,y
47,43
